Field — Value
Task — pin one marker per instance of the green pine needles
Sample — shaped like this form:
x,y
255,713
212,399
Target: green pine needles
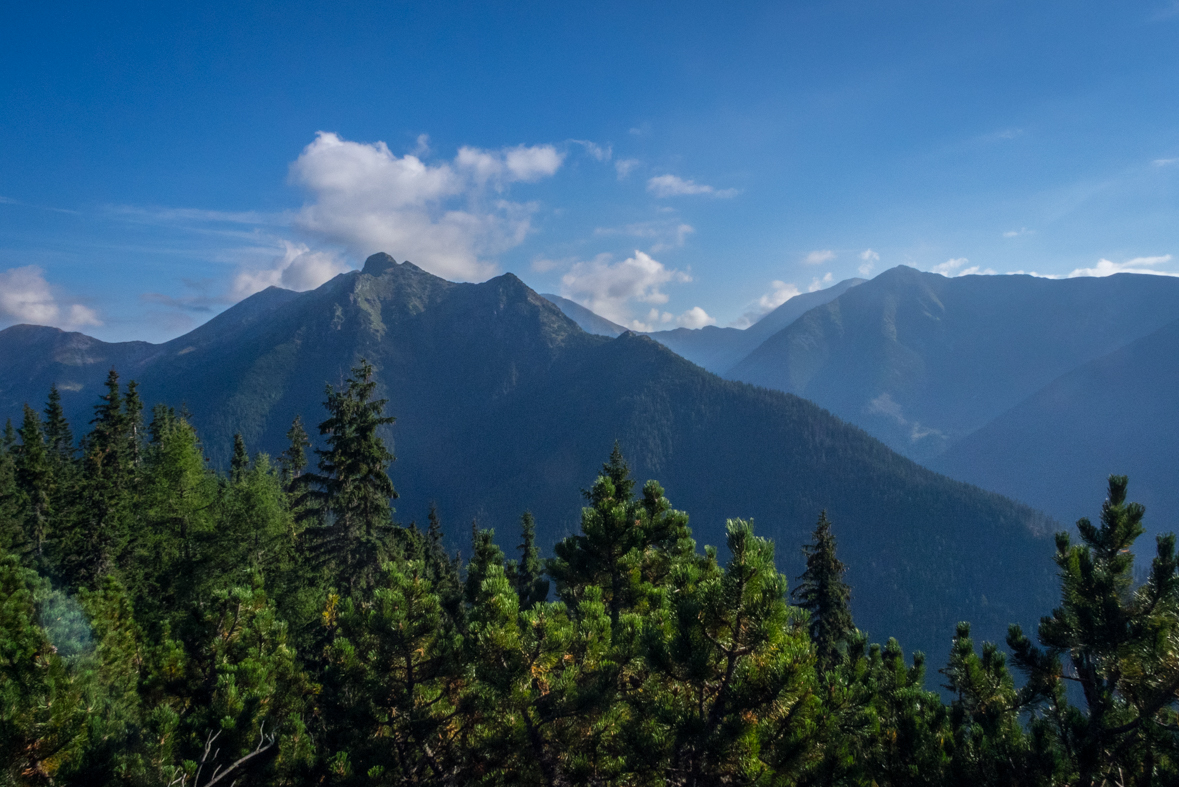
x,y
164,623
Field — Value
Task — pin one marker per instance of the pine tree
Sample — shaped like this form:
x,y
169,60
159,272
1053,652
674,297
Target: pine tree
x,y
98,528
351,492
1119,644
241,459
34,478
133,423
730,689
823,593
58,436
528,579
293,461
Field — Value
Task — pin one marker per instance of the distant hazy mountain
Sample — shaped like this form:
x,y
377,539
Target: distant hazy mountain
x,y
719,349
504,403
920,360
587,320
1117,414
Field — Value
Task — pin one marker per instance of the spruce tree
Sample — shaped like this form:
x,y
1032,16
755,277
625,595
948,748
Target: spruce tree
x,y
351,492
58,436
293,461
133,423
823,593
98,529
34,478
528,578
241,459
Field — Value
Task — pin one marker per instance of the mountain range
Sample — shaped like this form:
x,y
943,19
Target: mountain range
x,y
1036,388
505,404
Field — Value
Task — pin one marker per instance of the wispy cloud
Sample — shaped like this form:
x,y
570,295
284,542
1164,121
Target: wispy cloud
x,y
868,259
624,166
779,293
673,186
667,234
818,257
960,267
26,297
1165,162
1106,267
594,150
819,283
1017,233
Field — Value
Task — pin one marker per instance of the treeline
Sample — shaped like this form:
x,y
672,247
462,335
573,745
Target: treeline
x,y
165,624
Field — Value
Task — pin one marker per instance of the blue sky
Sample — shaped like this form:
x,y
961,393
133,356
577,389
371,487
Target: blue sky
x,y
665,164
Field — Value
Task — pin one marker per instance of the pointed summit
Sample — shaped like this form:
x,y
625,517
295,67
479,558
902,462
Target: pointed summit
x,y
378,264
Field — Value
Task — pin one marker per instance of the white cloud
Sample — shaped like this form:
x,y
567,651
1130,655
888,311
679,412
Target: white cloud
x,y
595,150
818,284
694,318
818,257
607,288
297,268
870,258
953,268
1017,233
668,234
1165,162
25,297
422,148
949,266
672,186
624,166
779,293
1137,265
366,199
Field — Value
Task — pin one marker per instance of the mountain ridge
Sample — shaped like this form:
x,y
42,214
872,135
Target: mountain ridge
x,y
504,404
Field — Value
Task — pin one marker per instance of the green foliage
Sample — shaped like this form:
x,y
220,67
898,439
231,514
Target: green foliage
x,y
351,492
823,593
267,626
1120,646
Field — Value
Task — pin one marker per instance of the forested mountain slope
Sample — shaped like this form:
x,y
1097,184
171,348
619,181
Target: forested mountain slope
x,y
1119,413
504,404
920,360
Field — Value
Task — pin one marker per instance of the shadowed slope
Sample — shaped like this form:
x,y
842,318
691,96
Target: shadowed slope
x,y
503,404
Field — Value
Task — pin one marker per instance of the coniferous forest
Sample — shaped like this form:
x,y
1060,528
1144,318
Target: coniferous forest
x,y
164,623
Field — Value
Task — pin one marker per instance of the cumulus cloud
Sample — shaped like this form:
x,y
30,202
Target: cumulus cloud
x,y
672,186
694,318
624,166
607,287
869,259
779,293
1137,265
26,297
818,257
366,199
818,284
297,268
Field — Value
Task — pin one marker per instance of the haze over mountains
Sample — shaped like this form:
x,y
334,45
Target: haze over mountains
x,y
1035,388
504,403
